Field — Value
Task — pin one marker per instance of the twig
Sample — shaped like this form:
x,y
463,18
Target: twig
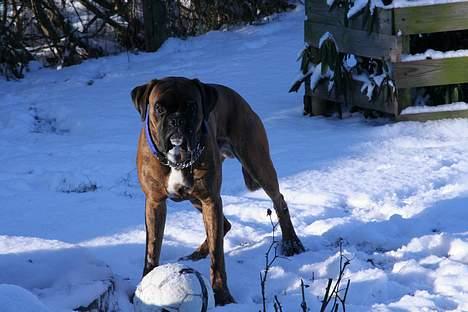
x,y
335,290
268,263
105,17
335,309
277,305
344,298
77,13
325,298
303,303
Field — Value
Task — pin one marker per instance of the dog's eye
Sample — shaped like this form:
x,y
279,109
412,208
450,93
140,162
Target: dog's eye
x,y
159,109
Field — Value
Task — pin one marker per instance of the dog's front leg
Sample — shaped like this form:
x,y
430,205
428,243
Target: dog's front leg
x,y
213,219
155,220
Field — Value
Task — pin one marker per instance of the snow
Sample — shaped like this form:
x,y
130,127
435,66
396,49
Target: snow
x,y
350,62
16,299
439,108
72,213
413,3
358,5
432,54
327,36
368,84
62,276
316,76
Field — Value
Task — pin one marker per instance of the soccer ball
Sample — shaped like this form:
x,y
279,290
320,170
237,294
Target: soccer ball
x,y
173,288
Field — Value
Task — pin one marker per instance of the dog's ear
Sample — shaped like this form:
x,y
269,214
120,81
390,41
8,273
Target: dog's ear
x,y
209,97
140,97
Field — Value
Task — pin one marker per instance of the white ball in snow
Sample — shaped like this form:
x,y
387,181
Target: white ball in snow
x,y
14,298
173,287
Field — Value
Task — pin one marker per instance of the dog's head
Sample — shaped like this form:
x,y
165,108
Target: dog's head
x,y
177,108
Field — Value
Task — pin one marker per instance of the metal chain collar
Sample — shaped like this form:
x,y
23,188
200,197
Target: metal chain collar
x,y
185,164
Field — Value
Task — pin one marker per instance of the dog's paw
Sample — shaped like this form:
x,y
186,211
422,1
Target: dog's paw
x,y
195,256
223,297
291,247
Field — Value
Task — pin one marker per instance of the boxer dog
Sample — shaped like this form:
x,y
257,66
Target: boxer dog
x,y
189,128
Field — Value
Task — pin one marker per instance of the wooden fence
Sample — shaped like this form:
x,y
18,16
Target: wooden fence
x,y
388,41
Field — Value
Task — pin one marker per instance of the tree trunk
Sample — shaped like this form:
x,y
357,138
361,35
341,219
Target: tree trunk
x,y
154,15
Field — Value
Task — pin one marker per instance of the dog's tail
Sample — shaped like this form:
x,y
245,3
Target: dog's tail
x,y
251,184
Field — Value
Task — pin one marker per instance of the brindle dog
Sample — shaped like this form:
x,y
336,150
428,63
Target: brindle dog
x,y
189,129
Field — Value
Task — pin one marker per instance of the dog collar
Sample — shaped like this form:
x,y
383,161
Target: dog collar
x,y
195,154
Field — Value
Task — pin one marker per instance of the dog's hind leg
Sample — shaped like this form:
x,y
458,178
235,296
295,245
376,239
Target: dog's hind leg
x,y
202,251
290,243
254,156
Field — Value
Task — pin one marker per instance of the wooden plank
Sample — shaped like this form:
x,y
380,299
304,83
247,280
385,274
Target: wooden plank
x,y
318,11
431,18
433,115
431,72
355,41
356,98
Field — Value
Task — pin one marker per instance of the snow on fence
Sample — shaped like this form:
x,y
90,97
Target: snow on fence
x,y
384,32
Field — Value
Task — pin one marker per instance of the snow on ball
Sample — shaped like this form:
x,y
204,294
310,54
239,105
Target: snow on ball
x,y
173,287
17,299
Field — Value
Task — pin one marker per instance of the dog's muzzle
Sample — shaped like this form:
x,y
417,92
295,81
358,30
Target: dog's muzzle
x,y
177,139
194,153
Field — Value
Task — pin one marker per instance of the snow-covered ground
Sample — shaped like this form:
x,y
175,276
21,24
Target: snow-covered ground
x,y
413,3
438,108
72,212
432,54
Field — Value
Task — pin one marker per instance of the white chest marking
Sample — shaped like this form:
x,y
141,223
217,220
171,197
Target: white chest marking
x,y
176,178
175,181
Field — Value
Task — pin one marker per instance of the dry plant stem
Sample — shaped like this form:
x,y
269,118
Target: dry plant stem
x,y
332,291
325,298
338,282
335,292
277,305
268,262
344,298
335,309
303,303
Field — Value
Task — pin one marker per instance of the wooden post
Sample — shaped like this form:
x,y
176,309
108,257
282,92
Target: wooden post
x,y
316,106
154,15
307,97
404,98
